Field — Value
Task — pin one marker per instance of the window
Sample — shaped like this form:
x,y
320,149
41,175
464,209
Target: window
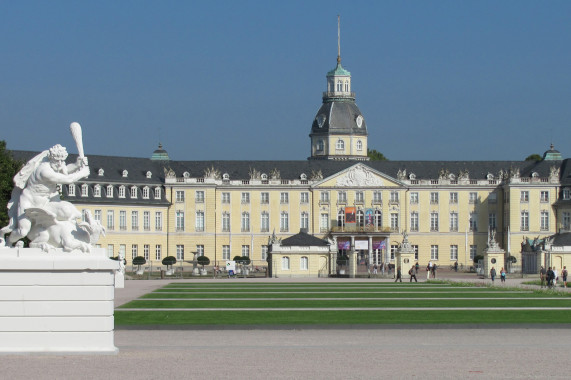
x,y
110,220
246,250
415,248
453,252
544,220
566,220
339,89
453,197
473,221
179,196
180,252
134,220
304,220
225,197
566,194
265,198
284,221
377,196
453,221
109,191
414,198
245,222
524,196
180,220
225,222
473,198
245,197
265,222
304,198
84,190
394,197
199,197
225,252
342,197
284,198
324,197
97,215
110,250
394,249
97,191
146,220
146,251
320,146
492,220
473,251
524,226
493,198
145,192
158,221
359,197
434,198
324,222
433,252
340,145
122,250
346,86
122,220
199,226
433,221
303,263
71,190
394,221
360,218
544,197
359,145
134,192
157,193
378,218
414,221
121,191
341,218
264,252
285,263
199,250
134,251
158,252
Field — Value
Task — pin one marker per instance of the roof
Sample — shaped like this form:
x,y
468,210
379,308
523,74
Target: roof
x,y
563,239
338,70
338,117
303,239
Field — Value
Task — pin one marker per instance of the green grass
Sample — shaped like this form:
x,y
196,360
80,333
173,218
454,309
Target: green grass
x,y
337,296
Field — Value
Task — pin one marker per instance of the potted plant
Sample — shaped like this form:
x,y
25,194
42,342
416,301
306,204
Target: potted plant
x,y
342,261
169,261
203,260
138,261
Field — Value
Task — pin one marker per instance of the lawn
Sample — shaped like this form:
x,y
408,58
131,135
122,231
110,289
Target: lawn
x,y
364,303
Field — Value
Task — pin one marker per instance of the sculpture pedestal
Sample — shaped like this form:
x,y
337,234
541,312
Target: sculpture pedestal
x,y
493,257
404,261
57,302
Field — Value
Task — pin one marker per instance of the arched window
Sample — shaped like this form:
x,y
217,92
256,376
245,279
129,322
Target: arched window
x,y
245,222
378,219
339,86
360,218
359,145
346,86
341,218
340,145
285,263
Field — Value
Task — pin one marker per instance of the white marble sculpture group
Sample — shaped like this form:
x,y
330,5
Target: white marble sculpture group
x,y
36,210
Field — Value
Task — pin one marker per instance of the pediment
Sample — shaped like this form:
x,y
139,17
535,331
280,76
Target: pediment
x,y
359,175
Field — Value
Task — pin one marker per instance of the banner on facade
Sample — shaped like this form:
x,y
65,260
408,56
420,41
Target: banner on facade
x,y
350,216
361,244
381,244
344,245
369,215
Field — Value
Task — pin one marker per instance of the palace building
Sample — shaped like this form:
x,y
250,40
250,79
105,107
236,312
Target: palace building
x,y
159,207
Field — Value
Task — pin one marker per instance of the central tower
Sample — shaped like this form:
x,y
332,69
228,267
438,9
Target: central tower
x,y
339,131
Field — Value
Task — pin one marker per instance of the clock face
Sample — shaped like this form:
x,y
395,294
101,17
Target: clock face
x,y
320,120
359,121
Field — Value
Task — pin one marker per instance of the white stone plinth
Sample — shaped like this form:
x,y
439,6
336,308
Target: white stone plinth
x,y
56,302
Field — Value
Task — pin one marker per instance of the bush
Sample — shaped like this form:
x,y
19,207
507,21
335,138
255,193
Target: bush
x,y
169,260
203,260
138,261
245,260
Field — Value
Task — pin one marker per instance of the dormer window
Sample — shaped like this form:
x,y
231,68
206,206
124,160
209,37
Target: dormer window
x,y
84,190
125,173
100,172
303,176
71,190
97,191
535,175
134,192
122,191
186,175
145,192
226,177
157,193
109,191
264,177
149,174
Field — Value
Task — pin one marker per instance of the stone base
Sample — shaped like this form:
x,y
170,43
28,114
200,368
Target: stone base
x,y
56,302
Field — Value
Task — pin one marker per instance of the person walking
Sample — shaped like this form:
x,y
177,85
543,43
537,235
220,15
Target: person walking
x,y
456,266
428,270
555,277
399,276
542,276
375,270
434,270
549,278
502,275
493,273
412,274
564,275
416,267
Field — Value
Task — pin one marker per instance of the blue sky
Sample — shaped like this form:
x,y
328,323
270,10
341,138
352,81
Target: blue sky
x,y
435,80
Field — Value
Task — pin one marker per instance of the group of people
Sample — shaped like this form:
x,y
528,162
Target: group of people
x,y
502,274
430,270
550,277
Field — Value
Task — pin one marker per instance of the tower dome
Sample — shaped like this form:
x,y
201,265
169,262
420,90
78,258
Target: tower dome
x,y
160,154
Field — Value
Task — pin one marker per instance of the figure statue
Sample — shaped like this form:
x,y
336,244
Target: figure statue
x,y
36,210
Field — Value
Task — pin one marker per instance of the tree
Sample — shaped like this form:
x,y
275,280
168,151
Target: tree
x,y
375,155
534,157
8,169
169,261
138,261
203,260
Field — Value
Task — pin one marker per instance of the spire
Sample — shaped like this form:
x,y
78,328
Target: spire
x,y
338,39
